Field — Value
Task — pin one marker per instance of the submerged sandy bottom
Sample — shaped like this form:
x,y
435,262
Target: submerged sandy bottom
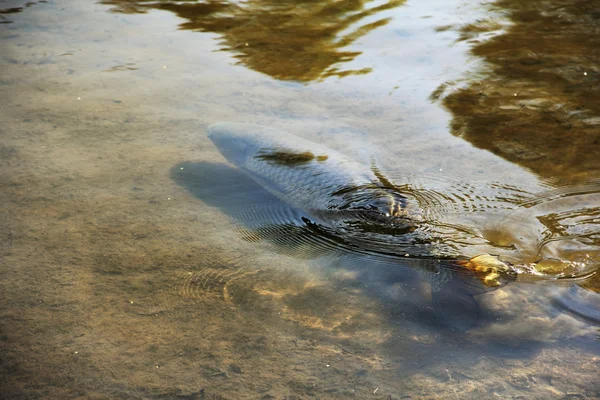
x,y
112,274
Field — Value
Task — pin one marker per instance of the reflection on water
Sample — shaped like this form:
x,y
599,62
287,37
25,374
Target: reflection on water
x,y
13,8
135,263
538,102
301,41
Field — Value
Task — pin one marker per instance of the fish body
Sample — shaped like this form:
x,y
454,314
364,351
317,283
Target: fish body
x,y
309,176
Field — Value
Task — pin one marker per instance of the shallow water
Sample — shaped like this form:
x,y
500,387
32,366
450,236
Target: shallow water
x,y
137,263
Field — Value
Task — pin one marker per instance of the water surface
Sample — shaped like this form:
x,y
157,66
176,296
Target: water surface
x,y
137,263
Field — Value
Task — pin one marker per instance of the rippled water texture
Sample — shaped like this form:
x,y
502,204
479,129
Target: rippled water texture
x,y
137,262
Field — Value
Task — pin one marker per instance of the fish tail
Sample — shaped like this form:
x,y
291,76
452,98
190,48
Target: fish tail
x,y
490,270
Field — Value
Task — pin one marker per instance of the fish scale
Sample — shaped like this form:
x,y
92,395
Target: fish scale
x,y
304,174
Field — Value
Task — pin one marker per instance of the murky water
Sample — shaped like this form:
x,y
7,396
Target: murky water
x,y
137,263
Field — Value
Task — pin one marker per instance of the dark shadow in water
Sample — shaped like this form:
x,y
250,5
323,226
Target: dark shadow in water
x,y
394,283
538,102
237,196
299,41
226,188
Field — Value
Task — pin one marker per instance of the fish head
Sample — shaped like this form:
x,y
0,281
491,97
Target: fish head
x,y
236,142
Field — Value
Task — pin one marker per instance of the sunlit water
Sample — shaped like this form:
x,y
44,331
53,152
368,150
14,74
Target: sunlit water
x,y
137,263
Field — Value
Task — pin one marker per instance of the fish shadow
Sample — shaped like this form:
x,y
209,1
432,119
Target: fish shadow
x,y
221,186
233,193
236,195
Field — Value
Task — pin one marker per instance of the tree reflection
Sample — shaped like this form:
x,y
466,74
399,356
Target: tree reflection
x,y
538,105
300,40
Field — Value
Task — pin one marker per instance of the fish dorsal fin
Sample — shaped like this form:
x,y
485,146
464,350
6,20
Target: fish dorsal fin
x,y
385,182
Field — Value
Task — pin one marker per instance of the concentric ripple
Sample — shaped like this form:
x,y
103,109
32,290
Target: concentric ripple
x,y
450,224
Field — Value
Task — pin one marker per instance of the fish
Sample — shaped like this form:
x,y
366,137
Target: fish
x,y
355,207
309,176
